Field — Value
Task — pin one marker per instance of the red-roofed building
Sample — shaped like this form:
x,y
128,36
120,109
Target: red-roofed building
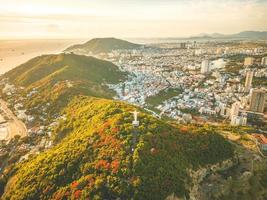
x,y
262,140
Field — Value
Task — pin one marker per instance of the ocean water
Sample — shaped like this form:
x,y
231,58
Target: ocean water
x,y
16,52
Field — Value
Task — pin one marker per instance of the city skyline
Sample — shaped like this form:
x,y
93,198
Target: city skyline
x,y
61,19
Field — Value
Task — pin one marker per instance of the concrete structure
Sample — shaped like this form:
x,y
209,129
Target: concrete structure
x,y
183,45
235,109
249,78
249,61
264,61
223,110
205,66
262,140
239,121
257,100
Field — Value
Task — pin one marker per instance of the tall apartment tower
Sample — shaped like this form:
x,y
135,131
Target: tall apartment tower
x,y
249,78
235,109
183,45
249,61
257,100
205,67
264,61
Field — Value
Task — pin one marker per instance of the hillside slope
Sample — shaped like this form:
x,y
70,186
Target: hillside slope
x,y
55,79
102,45
92,159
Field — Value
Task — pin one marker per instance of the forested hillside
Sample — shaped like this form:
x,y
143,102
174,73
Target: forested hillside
x,y
56,79
92,157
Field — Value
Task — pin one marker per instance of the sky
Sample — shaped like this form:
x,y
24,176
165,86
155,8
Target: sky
x,y
27,19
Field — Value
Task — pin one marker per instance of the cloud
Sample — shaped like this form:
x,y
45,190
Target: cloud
x,y
131,18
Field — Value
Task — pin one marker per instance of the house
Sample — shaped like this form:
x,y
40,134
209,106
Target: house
x,y
262,140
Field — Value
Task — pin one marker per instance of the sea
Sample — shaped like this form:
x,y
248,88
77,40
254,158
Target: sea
x,y
16,52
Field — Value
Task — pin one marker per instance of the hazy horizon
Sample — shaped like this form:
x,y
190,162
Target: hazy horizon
x,y
128,19
125,38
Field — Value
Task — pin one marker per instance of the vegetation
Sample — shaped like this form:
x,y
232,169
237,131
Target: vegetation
x,y
93,161
233,68
235,63
103,45
162,96
259,82
57,78
256,81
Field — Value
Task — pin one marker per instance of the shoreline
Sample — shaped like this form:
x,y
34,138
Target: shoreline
x,y
16,52
13,125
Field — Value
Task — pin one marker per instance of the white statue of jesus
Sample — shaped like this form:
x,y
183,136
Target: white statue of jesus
x,y
135,122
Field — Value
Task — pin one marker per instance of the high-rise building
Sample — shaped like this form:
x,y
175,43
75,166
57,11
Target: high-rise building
x,y
249,78
257,100
195,44
239,120
264,61
235,109
183,45
223,109
249,61
205,66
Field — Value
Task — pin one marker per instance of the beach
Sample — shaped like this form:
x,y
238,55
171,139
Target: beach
x,y
10,125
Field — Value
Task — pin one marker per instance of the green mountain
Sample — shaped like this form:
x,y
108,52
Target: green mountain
x,y
93,161
102,45
55,79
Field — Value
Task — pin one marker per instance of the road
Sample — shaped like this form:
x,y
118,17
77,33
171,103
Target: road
x,y
14,125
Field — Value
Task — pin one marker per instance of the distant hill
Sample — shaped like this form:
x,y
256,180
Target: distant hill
x,y
93,159
241,35
102,45
250,34
55,79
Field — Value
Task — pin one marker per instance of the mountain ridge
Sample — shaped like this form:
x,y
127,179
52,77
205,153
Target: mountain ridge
x,y
240,35
102,45
57,78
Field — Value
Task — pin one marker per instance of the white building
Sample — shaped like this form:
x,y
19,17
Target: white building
x,y
264,61
239,121
9,89
205,66
217,64
235,109
249,61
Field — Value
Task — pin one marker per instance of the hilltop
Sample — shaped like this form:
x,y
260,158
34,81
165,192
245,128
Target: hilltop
x,y
102,45
92,159
55,79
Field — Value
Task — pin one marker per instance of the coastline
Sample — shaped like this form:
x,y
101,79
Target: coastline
x,y
16,52
11,127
